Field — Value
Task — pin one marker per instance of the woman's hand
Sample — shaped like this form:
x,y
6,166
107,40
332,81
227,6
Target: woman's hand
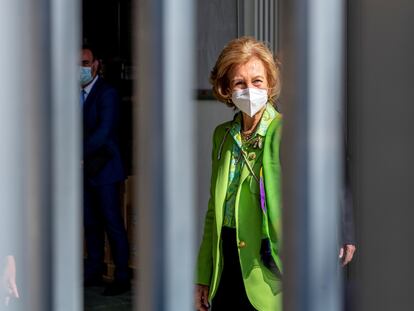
x,y
346,253
201,297
9,280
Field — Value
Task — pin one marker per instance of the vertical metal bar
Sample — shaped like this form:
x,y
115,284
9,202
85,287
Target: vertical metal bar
x,y
66,144
265,21
36,73
260,20
256,20
149,154
312,45
326,58
380,87
272,23
240,18
249,17
276,23
28,160
179,131
26,130
165,154
295,179
12,112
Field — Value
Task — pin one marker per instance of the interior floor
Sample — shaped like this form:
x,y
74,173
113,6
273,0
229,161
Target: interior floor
x,y
94,301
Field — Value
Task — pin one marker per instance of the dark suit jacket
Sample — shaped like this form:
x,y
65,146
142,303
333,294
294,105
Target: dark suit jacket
x,y
100,122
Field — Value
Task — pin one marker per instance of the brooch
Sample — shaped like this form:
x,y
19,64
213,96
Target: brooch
x,y
256,142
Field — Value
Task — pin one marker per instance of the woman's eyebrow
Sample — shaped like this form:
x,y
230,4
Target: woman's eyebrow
x,y
237,79
258,77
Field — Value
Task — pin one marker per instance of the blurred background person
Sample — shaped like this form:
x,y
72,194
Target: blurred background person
x,y
103,174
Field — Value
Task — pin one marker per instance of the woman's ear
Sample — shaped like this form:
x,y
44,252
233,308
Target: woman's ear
x,y
229,91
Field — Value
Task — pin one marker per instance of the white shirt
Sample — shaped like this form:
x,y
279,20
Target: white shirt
x,y
89,87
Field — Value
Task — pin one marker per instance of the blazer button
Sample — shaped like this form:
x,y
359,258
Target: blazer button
x,y
242,244
252,156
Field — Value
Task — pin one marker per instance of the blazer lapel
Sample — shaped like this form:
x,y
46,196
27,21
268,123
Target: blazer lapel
x,y
222,181
253,163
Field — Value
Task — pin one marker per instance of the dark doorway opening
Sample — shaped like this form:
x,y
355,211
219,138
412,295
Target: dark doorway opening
x,y
107,26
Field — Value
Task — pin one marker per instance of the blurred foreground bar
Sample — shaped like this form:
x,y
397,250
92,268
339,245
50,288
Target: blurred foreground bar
x,y
381,114
40,128
312,34
164,123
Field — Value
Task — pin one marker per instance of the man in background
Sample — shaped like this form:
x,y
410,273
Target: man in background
x,y
103,174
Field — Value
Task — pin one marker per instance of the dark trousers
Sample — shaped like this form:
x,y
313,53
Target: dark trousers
x,y
102,214
231,294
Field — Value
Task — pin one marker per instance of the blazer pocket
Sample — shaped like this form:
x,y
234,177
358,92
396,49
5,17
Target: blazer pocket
x,y
267,258
264,274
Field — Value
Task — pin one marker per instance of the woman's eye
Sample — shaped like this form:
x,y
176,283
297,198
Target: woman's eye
x,y
257,81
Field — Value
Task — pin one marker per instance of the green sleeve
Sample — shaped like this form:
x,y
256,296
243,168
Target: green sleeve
x,y
272,174
205,255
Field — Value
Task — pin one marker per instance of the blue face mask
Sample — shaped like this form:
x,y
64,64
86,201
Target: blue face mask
x,y
85,75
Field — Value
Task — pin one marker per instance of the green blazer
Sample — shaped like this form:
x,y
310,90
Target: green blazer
x,y
262,286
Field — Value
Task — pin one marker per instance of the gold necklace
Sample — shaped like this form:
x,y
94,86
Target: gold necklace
x,y
246,136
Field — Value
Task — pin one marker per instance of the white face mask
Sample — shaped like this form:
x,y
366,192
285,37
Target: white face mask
x,y
85,75
250,100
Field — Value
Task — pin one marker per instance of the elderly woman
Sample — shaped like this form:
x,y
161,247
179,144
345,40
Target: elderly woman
x,y
239,266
